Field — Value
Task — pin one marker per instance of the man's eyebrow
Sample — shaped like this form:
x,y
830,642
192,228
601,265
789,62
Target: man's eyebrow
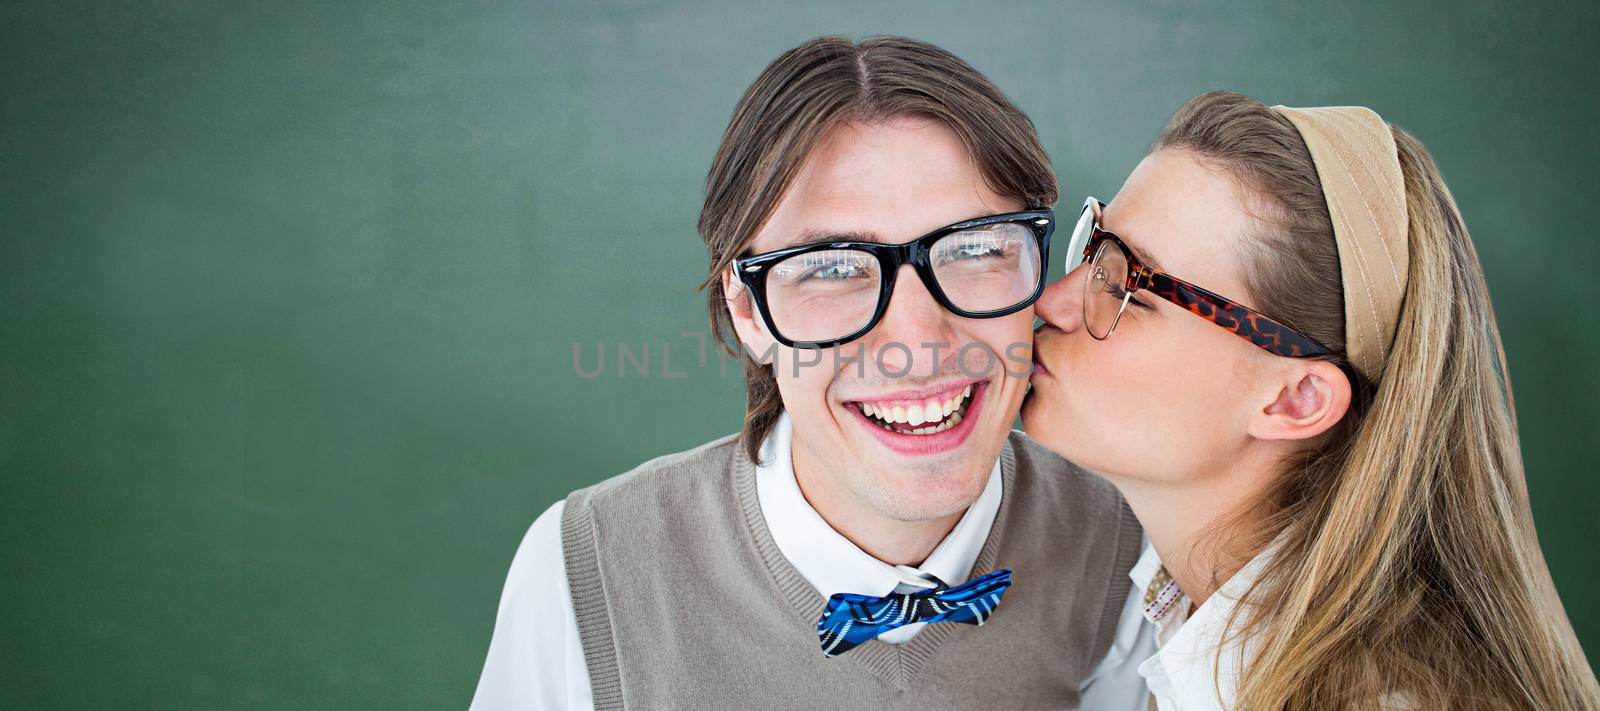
x,y
815,235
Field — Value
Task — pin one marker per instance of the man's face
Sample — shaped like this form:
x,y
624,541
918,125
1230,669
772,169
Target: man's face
x,y
892,182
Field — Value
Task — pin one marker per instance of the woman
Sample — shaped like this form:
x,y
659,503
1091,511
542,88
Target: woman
x,y
1326,460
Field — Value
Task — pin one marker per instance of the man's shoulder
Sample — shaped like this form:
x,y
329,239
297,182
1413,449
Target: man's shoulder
x,y
1049,473
675,473
1058,500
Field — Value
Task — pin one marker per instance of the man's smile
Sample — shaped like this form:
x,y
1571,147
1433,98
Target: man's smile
x,y
921,422
918,416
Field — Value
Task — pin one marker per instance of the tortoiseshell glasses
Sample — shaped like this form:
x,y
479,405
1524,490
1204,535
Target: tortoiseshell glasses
x,y
1114,275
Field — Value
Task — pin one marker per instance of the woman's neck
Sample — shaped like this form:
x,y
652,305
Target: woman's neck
x,y
1193,524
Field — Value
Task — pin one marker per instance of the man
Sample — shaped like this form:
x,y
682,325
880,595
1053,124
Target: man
x,y
883,373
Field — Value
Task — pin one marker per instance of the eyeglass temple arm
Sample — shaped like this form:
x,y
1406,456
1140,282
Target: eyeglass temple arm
x,y
1258,328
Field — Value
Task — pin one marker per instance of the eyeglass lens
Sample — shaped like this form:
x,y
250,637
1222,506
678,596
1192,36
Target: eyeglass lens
x,y
830,294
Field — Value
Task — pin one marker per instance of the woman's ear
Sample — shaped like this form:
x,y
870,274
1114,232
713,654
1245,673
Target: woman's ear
x,y
746,322
1313,396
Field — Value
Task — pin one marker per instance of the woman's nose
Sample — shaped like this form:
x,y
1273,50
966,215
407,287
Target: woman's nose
x,y
1061,304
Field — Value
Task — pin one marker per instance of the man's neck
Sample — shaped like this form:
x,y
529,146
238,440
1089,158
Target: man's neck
x,y
891,541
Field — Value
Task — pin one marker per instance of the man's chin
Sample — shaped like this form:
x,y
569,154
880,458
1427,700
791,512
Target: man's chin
x,y
919,507
932,491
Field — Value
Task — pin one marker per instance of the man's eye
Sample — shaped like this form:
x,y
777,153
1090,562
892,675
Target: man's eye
x,y
835,271
979,249
832,269
829,268
973,247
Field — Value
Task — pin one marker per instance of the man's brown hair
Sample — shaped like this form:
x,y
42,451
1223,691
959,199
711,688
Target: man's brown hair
x,y
795,101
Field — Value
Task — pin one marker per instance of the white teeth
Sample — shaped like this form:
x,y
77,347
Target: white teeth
x,y
947,424
938,416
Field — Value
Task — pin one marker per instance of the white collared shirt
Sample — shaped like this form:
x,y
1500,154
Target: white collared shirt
x,y
1186,673
831,563
536,660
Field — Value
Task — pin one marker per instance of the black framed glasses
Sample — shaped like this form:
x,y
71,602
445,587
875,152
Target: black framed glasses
x,y
1114,275
830,293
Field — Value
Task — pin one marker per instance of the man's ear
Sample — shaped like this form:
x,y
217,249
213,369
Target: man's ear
x,y
1313,395
746,322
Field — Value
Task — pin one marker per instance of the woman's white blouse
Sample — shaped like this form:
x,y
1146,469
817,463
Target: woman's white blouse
x,y
1186,673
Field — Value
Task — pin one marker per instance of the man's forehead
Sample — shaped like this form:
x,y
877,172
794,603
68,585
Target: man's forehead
x,y
773,240
887,182
885,216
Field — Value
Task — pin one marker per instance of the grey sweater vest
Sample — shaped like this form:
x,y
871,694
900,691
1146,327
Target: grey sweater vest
x,y
684,602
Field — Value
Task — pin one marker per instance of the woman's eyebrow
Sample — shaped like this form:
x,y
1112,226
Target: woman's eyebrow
x,y
1142,255
1139,254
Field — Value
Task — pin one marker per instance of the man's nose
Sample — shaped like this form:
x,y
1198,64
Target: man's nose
x,y
912,323
1061,304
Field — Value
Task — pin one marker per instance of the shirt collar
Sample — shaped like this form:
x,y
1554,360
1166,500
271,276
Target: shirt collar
x,y
1161,594
828,560
1149,564
1187,665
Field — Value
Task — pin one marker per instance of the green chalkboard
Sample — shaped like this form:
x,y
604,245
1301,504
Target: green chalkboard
x,y
291,292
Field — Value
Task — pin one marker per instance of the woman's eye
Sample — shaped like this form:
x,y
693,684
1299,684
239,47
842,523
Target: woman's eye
x,y
1138,303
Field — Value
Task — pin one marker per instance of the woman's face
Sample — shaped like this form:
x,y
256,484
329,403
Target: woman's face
x,y
1169,395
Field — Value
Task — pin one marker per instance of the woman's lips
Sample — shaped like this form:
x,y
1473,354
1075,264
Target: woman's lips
x,y
1042,337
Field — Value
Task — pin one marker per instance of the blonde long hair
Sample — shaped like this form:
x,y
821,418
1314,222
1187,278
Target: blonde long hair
x,y
1408,563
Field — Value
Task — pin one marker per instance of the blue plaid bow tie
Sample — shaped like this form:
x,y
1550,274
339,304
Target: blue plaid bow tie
x,y
850,619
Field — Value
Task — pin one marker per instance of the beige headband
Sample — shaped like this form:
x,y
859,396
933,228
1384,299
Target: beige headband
x,y
1360,173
